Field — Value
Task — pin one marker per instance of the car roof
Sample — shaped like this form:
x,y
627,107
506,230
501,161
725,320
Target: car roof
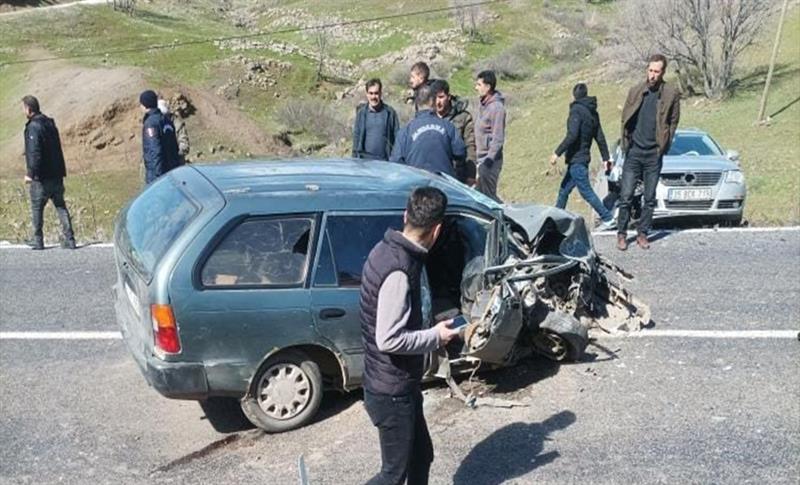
x,y
365,183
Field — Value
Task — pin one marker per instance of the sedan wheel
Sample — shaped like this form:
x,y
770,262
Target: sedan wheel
x,y
285,394
284,391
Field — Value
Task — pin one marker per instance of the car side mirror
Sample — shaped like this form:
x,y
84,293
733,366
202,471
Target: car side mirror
x,y
732,155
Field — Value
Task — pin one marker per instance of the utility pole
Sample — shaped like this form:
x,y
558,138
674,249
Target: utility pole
x,y
762,110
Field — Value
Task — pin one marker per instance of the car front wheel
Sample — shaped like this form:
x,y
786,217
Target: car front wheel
x,y
285,393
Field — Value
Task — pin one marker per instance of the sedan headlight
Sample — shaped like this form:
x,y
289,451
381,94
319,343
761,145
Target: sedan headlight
x,y
734,177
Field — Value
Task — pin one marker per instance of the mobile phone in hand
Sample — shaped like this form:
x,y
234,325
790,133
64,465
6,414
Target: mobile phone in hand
x,y
459,321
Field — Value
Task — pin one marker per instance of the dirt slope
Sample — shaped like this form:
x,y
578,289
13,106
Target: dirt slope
x,y
99,117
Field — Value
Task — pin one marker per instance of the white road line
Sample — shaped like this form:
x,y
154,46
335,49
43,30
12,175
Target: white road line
x,y
60,335
706,230
5,245
724,334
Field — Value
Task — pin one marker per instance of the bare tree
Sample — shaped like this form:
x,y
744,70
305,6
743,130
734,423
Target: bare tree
x,y
703,38
322,46
468,19
127,6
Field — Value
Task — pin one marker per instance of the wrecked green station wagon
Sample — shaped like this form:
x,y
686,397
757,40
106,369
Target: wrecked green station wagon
x,y
241,280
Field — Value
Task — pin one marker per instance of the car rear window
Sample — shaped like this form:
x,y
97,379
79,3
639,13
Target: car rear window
x,y
152,223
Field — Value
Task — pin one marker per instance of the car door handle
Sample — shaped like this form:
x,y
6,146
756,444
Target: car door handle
x,y
329,313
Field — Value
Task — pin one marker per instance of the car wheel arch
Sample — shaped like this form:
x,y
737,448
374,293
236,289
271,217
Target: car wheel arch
x,y
330,363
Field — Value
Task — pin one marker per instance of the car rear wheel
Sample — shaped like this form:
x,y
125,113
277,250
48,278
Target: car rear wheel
x,y
285,394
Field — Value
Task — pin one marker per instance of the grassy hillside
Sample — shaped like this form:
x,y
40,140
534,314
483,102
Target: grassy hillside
x,y
540,42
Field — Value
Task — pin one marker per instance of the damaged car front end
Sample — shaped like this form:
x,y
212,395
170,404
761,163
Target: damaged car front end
x,y
549,291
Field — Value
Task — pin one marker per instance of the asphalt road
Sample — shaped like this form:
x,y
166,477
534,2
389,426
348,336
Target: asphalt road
x,y
636,410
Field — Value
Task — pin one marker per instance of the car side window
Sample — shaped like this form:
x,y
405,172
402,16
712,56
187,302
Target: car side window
x,y
352,237
261,252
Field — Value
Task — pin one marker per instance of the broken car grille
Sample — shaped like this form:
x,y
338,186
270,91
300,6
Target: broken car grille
x,y
691,179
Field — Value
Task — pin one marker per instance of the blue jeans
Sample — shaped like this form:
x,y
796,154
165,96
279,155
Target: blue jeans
x,y
578,175
406,447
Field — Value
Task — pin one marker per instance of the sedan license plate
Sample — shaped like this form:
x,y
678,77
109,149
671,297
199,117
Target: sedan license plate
x,y
690,194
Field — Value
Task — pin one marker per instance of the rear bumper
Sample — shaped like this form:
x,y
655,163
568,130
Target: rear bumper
x,y
176,380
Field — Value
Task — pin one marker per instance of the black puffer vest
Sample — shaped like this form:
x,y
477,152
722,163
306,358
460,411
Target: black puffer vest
x,y
391,374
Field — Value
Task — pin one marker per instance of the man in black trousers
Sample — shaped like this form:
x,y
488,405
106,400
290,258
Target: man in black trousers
x,y
649,120
395,341
45,172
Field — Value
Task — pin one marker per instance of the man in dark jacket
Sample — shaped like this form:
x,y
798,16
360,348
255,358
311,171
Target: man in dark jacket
x,y
583,126
159,143
395,342
429,142
456,111
376,125
649,120
45,172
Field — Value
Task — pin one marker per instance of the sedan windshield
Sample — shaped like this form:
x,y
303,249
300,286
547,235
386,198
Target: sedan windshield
x,y
694,145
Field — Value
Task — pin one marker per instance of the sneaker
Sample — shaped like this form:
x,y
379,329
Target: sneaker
x,y
607,225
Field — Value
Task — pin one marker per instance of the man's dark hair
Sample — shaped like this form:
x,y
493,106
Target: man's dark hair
x,y
426,207
488,77
31,103
422,68
580,91
374,82
440,86
425,95
658,58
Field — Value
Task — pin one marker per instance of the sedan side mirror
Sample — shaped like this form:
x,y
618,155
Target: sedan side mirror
x,y
732,155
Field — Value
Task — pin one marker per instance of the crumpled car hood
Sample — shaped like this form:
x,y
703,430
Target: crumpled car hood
x,y
530,219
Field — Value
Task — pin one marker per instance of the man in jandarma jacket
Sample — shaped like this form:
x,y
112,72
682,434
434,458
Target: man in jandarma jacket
x,y
649,120
429,142
45,172
159,142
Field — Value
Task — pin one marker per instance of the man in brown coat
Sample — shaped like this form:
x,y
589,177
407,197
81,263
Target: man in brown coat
x,y
649,120
456,111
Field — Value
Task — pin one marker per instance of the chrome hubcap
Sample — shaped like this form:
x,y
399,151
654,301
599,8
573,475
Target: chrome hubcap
x,y
284,391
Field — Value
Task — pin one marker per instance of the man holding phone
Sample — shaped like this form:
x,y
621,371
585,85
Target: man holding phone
x,y
395,341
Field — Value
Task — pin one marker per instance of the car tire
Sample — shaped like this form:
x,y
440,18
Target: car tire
x,y
296,394
560,337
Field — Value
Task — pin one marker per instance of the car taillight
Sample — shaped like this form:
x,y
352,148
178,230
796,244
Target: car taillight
x,y
165,330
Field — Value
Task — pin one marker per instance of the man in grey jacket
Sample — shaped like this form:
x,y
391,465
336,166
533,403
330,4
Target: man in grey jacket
x,y
395,340
490,133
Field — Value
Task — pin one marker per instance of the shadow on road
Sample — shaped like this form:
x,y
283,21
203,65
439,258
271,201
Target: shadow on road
x,y
526,373
510,452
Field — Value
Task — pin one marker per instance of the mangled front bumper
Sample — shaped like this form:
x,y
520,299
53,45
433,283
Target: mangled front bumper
x,y
551,290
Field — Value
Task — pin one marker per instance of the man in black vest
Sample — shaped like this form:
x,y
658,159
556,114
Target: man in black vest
x,y
395,341
45,172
